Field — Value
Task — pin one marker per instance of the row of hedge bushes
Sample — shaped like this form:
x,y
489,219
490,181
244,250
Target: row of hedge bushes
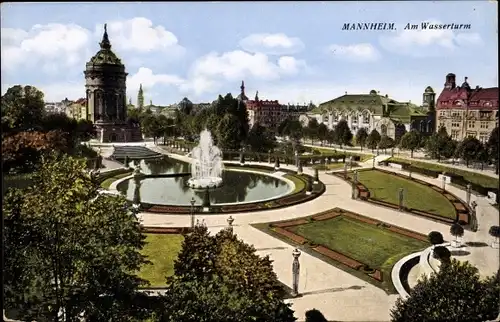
x,y
481,185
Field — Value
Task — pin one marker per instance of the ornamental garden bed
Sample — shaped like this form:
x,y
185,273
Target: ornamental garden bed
x,y
480,183
360,245
381,187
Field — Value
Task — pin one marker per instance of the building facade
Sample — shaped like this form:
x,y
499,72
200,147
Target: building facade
x,y
269,113
106,105
373,111
464,111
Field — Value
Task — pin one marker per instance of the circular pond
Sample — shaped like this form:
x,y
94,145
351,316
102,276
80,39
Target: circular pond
x,y
238,186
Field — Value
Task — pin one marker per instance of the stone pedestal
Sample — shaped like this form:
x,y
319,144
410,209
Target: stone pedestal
x,y
109,132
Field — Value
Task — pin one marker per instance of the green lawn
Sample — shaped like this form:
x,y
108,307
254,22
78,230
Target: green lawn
x,y
299,184
107,183
475,178
369,244
385,187
161,250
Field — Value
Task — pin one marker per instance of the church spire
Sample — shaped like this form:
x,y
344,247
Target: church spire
x,y
105,43
257,95
242,87
140,98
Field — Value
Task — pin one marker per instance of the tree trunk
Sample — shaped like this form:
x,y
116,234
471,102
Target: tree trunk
x,y
411,153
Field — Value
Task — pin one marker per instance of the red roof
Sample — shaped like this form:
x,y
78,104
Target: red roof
x,y
81,101
479,98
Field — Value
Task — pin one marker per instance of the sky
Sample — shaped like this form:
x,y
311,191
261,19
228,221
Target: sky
x,y
294,52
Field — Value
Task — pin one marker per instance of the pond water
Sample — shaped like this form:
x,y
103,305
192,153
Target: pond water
x,y
238,186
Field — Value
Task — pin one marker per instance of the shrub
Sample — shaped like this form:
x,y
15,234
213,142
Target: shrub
x,y
315,316
442,253
456,230
435,238
495,231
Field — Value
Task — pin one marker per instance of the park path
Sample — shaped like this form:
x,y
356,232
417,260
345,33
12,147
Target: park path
x,y
337,294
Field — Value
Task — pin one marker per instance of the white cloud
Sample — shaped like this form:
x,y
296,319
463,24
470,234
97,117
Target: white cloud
x,y
428,42
363,52
148,79
272,44
138,34
209,71
44,45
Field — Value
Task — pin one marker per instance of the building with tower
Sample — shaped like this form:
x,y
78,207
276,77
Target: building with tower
x,y
106,101
374,111
269,113
464,111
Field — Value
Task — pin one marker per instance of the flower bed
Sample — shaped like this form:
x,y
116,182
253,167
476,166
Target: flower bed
x,y
291,223
459,206
300,232
288,234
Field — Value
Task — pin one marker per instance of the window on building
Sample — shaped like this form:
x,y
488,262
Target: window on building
x,y
366,118
471,124
455,124
455,134
354,129
442,113
383,130
484,136
354,119
484,125
471,134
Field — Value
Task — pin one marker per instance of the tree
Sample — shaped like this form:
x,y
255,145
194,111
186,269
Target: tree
x,y
492,146
438,144
311,130
373,139
455,293
343,133
482,155
495,232
22,152
70,249
331,137
220,278
322,132
260,139
410,141
361,137
468,149
22,108
385,143
456,230
435,238
291,128
228,132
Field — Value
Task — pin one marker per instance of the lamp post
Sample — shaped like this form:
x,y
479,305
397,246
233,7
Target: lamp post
x,y
295,272
192,212
296,158
373,166
350,162
444,183
230,221
409,171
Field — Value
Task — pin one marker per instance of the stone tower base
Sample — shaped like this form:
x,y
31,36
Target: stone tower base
x,y
108,133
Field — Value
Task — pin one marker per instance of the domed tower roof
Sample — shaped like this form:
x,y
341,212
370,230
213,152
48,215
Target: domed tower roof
x,y
429,89
373,92
105,56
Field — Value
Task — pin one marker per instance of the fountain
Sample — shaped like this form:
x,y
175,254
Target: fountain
x,y
207,166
